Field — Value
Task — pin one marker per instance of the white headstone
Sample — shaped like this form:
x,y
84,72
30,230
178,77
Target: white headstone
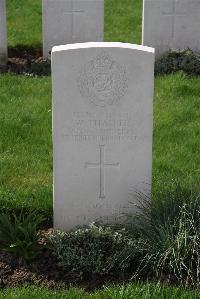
x,y
171,24
71,21
3,34
102,130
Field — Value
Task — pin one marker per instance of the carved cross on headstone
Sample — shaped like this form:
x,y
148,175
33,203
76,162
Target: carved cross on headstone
x,y
173,14
73,13
102,166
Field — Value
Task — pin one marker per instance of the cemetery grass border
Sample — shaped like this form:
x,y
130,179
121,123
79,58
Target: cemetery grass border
x,y
28,61
130,291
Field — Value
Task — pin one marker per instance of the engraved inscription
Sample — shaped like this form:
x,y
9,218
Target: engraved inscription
x,y
103,81
102,165
173,14
103,128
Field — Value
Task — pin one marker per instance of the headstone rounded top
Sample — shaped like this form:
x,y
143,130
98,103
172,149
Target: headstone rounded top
x,y
102,45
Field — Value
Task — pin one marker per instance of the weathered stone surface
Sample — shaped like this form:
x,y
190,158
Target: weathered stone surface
x,y
71,21
3,34
102,130
171,24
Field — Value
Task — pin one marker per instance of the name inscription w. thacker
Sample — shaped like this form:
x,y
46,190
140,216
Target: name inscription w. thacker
x,y
89,127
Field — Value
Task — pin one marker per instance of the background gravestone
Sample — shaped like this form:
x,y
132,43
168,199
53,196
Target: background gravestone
x,y
102,130
71,21
171,24
3,34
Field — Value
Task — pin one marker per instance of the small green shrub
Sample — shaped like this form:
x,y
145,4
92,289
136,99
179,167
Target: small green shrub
x,y
32,68
174,61
94,250
162,242
18,233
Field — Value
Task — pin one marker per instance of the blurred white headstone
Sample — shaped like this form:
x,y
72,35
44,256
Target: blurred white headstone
x,y
71,21
171,24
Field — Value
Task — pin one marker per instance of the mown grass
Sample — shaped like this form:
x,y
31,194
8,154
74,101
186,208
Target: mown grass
x,y
24,22
26,149
24,19
25,142
123,21
131,291
176,157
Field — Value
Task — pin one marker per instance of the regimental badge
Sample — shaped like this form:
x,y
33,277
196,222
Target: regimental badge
x,y
103,81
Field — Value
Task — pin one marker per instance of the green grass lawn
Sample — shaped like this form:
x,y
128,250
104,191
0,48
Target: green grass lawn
x,y
25,141
24,22
130,291
176,132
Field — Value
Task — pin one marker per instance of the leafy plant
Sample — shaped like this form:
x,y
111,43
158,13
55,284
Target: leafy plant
x,y
32,67
94,250
18,233
173,61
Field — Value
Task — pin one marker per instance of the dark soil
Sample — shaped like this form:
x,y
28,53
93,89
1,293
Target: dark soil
x,y
43,271
21,51
27,61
